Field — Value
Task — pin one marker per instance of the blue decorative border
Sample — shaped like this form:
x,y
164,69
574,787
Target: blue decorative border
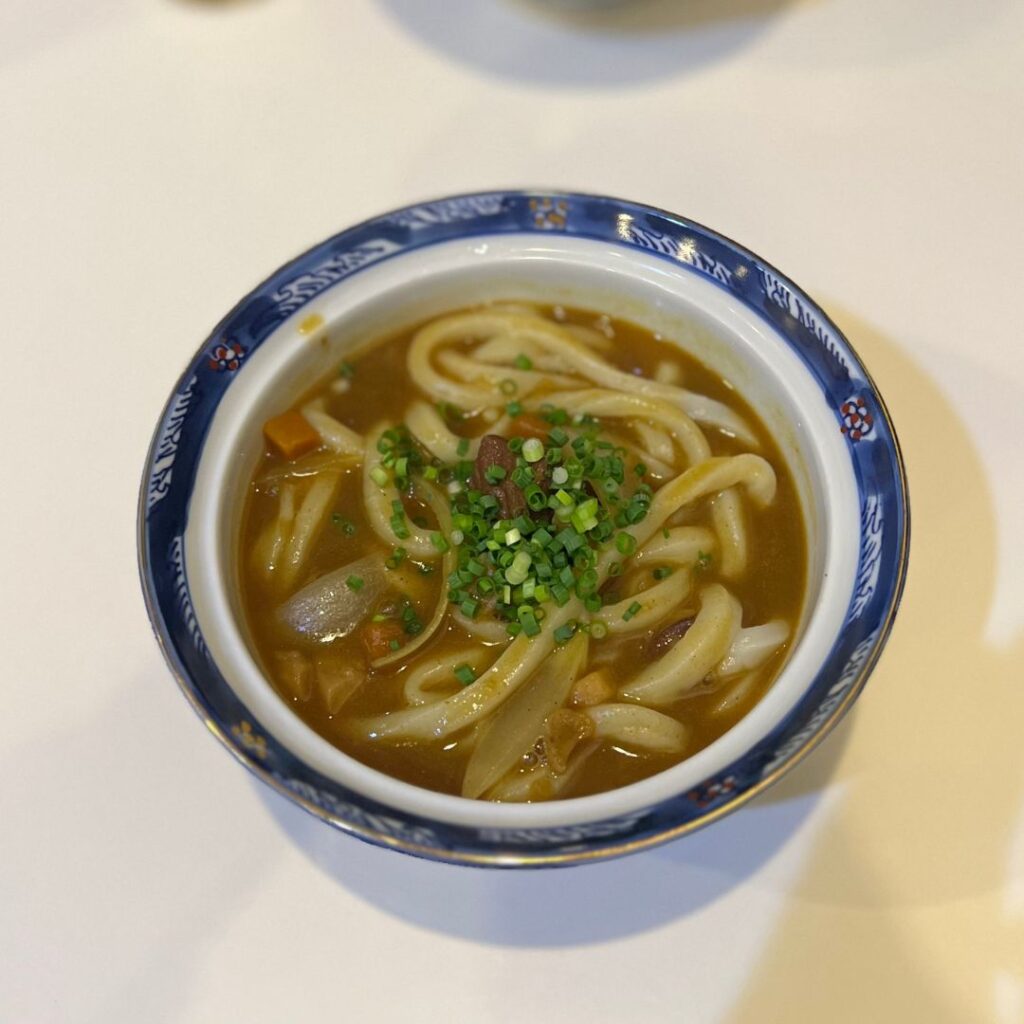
x,y
860,415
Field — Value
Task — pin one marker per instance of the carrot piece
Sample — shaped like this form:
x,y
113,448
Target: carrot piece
x,y
377,637
291,434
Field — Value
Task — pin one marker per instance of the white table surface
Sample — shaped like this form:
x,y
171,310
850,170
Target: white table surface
x,y
159,157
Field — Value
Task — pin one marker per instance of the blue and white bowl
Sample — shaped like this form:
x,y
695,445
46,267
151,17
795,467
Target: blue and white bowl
x,y
735,312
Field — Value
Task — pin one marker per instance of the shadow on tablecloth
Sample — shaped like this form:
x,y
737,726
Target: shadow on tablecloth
x,y
568,906
910,905
633,42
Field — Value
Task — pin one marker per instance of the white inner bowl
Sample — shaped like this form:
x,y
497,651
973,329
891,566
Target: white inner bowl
x,y
687,309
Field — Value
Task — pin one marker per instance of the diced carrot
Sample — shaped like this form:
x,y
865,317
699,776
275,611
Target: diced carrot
x,y
377,637
291,434
529,425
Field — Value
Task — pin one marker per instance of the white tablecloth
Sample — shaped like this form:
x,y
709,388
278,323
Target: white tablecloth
x,y
159,157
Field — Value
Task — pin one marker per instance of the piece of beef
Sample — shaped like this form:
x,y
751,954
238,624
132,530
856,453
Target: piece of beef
x,y
494,451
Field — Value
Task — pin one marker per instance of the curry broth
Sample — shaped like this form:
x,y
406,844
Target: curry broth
x,y
772,587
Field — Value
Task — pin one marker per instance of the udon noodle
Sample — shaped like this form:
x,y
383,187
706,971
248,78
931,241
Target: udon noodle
x,y
521,553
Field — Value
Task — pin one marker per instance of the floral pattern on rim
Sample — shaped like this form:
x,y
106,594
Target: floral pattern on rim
x,y
253,743
549,214
707,794
857,421
227,357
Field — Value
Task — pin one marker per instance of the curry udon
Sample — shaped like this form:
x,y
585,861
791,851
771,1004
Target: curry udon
x,y
520,553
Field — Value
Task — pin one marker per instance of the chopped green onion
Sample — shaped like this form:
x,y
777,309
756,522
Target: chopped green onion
x,y
462,447
598,630
631,610
587,583
533,450
439,542
662,572
559,475
528,620
640,469
584,518
394,645
571,540
625,543
564,633
516,573
535,498
513,536
524,362
514,409
396,558
430,473
354,583
507,387
379,475
465,674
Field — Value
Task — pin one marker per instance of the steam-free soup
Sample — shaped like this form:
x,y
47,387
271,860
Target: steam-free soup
x,y
521,553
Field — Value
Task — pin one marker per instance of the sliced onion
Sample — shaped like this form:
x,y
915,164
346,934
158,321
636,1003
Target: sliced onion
x,y
513,729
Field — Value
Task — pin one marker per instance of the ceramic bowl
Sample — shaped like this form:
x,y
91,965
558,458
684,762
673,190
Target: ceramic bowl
x,y
732,310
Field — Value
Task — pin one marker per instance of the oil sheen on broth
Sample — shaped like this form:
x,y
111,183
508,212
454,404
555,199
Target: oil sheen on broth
x,y
521,553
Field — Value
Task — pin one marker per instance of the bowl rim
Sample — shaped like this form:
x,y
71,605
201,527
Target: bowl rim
x,y
242,746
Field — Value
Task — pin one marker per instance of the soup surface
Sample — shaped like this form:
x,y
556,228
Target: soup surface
x,y
521,553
